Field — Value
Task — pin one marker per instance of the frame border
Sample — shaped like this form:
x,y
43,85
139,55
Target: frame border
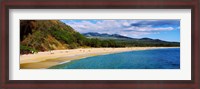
x,y
139,84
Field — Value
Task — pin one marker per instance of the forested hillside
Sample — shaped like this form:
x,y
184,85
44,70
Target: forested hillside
x,y
44,35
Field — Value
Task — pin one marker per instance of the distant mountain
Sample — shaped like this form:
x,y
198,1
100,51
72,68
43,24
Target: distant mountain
x,y
105,36
117,37
153,40
130,41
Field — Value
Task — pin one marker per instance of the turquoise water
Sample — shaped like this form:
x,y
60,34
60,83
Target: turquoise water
x,y
146,59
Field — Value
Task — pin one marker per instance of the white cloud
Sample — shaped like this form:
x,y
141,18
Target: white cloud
x,y
123,27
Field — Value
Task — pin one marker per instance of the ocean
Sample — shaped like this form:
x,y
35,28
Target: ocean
x,y
166,58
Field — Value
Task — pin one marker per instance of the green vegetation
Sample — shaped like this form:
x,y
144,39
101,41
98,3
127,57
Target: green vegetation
x,y
25,50
145,43
47,35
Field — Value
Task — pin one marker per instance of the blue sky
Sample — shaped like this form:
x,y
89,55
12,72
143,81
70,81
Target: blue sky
x,y
168,30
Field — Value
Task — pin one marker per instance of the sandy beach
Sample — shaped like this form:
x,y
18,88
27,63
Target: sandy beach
x,y
42,60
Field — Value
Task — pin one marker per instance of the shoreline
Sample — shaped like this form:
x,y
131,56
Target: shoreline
x,y
43,60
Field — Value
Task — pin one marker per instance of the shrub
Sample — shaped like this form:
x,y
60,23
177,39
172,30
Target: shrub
x,y
26,50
